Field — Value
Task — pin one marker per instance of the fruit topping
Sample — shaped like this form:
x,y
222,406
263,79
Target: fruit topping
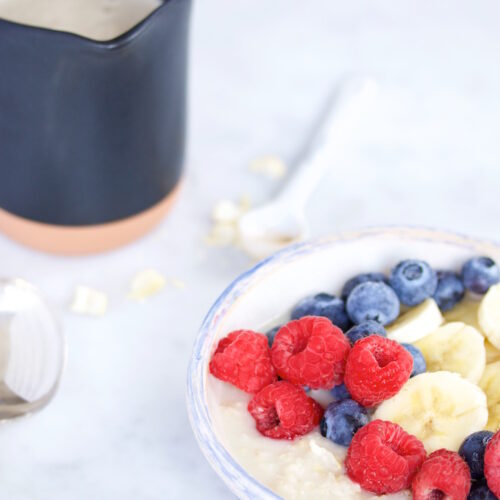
x,y
440,408
310,351
419,364
243,359
413,281
383,458
492,464
342,419
373,301
450,290
351,284
472,451
455,347
479,274
284,411
444,475
376,369
365,329
416,323
325,305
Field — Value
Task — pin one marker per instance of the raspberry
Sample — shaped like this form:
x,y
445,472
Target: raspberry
x,y
243,359
310,351
492,464
443,475
284,411
376,370
383,458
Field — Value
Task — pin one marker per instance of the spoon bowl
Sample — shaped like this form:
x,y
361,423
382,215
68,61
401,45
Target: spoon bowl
x,y
32,350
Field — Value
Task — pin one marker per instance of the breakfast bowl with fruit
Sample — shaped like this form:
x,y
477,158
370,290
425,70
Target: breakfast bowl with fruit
x,y
354,366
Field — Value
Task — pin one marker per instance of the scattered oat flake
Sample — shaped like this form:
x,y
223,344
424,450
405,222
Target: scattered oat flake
x,y
271,166
177,283
145,284
221,234
245,203
89,302
225,211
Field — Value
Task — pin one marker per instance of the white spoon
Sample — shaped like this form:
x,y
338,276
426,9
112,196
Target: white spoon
x,y
281,222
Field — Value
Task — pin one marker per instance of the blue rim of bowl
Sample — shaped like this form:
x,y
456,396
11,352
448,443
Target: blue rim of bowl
x,y
236,477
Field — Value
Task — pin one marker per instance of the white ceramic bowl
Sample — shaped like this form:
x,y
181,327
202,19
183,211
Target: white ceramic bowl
x,y
274,285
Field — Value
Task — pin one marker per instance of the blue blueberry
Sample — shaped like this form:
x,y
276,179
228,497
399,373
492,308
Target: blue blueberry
x,y
365,329
326,305
472,451
351,284
480,491
413,281
419,364
450,290
271,334
340,392
373,301
342,419
479,274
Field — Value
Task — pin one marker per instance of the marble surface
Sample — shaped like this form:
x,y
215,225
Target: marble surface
x,y
427,153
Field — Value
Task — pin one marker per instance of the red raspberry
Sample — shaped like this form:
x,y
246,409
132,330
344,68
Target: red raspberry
x,y
443,475
243,359
383,458
376,369
492,464
310,351
284,411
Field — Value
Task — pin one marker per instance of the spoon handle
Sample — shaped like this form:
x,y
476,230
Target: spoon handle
x,y
341,116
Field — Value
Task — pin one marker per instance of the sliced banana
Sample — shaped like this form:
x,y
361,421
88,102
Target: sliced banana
x,y
490,384
455,347
416,323
492,353
439,408
489,315
465,311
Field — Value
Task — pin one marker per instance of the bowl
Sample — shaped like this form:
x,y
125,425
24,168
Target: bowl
x,y
261,295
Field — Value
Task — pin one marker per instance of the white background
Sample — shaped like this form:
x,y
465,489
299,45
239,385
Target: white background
x,y
427,153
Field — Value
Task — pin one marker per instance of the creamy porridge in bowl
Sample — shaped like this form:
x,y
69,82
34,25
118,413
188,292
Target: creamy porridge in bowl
x,y
272,425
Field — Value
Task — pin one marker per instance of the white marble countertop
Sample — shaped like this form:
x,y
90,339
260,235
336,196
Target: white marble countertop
x,y
427,153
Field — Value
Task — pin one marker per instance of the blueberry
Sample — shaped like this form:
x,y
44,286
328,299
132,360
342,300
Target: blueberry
x,y
326,305
342,419
361,278
472,451
479,274
365,329
450,290
480,491
271,334
419,364
373,301
340,392
413,281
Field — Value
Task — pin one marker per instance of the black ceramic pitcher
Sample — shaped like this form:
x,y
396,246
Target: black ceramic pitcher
x,y
91,133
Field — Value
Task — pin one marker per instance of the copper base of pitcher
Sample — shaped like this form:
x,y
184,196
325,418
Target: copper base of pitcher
x,y
80,240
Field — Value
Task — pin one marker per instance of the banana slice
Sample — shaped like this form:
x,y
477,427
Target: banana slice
x,y
440,408
489,315
492,353
455,347
490,384
466,312
416,323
